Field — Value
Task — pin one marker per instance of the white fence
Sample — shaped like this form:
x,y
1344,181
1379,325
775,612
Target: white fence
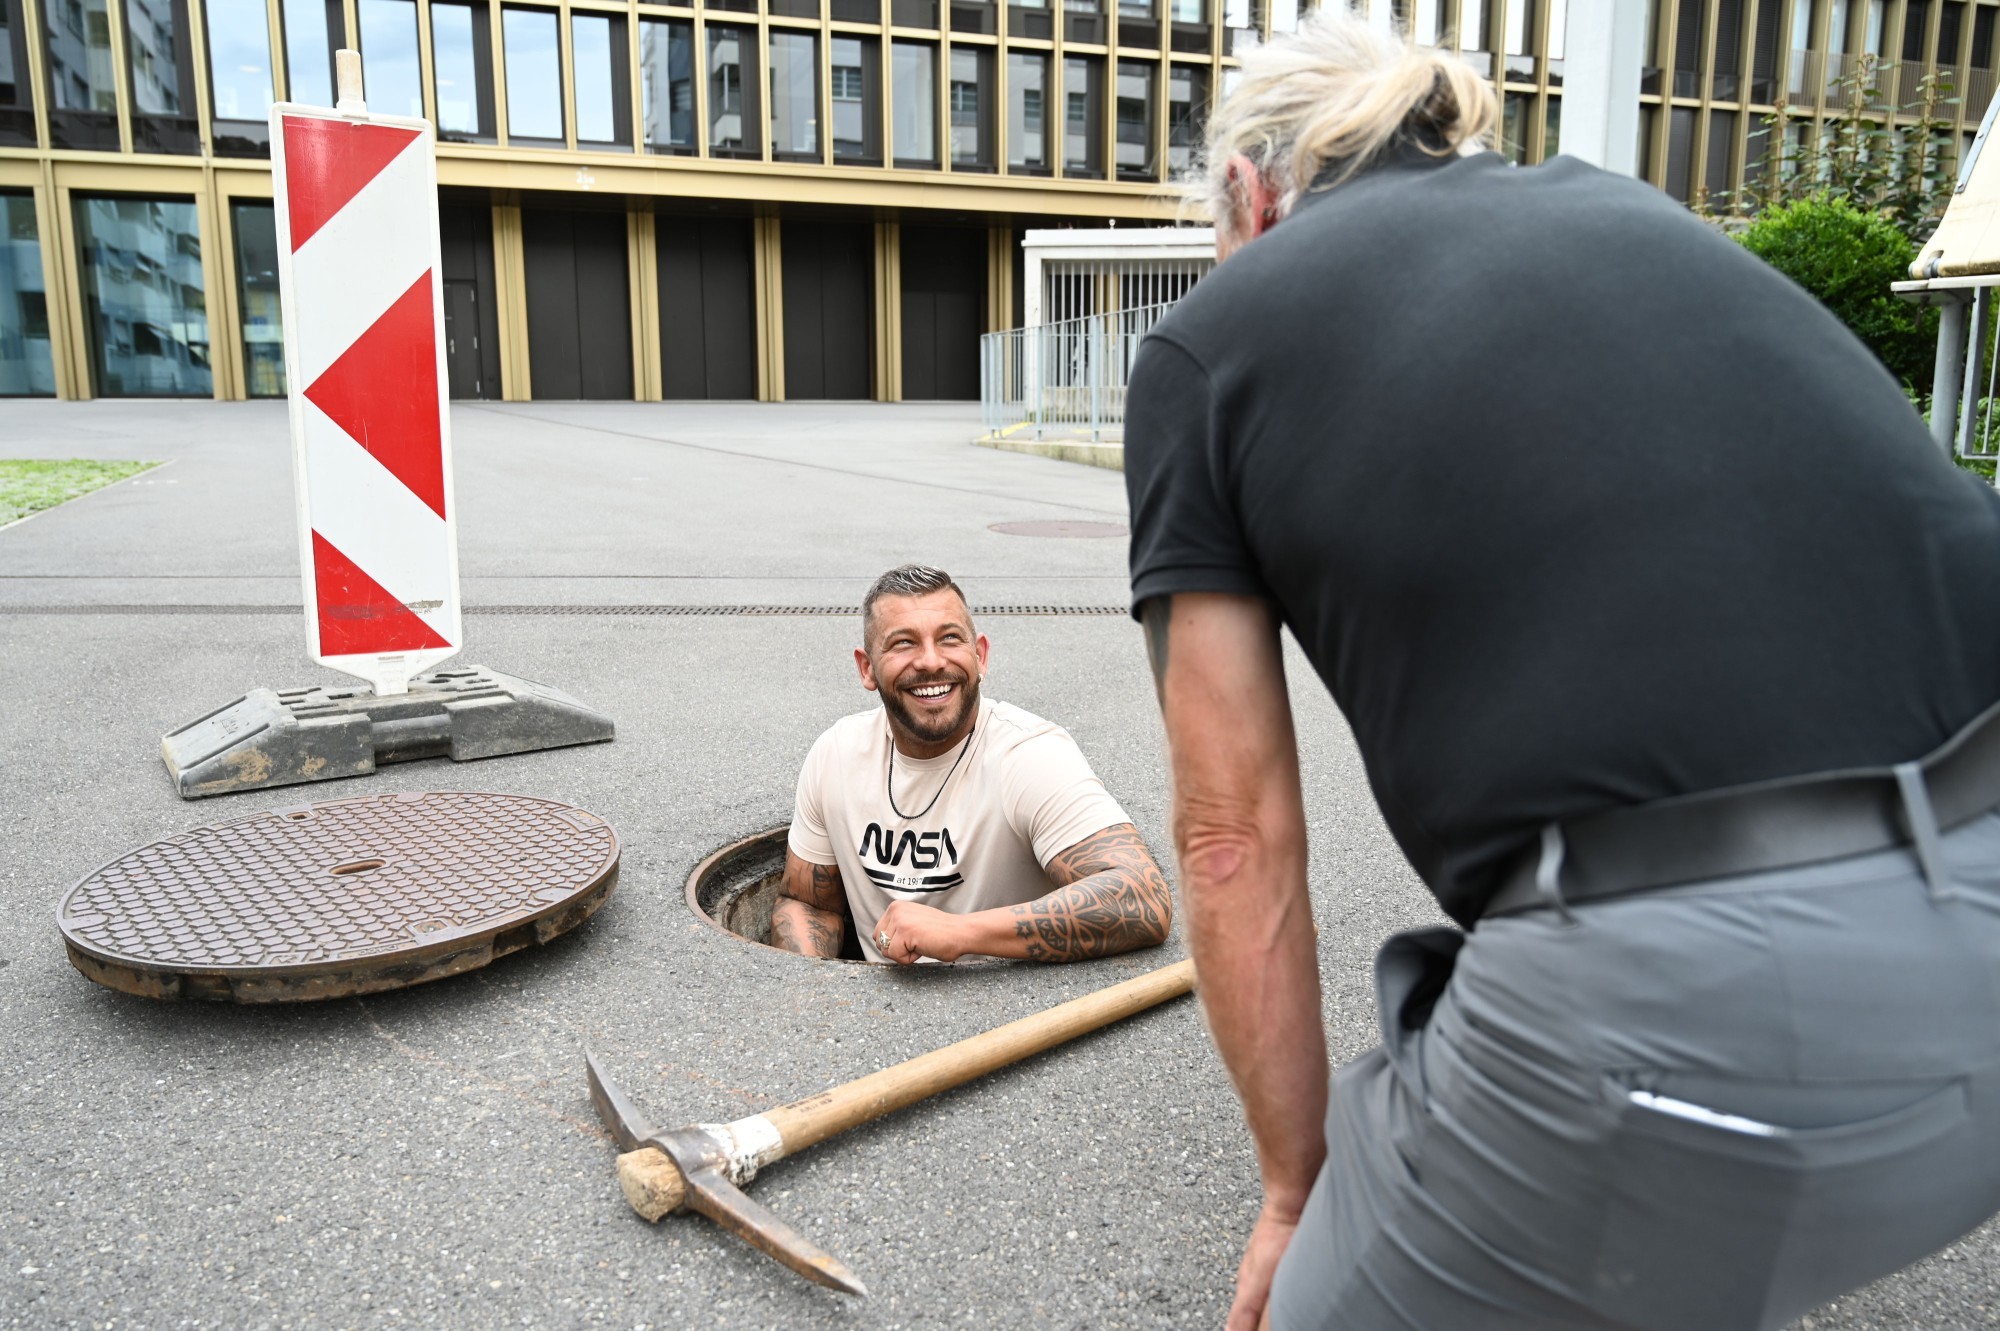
x,y
1063,380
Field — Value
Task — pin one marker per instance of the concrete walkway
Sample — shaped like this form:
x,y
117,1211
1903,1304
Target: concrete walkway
x,y
429,1157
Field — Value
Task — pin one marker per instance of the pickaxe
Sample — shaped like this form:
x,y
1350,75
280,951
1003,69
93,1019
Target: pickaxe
x,y
704,1166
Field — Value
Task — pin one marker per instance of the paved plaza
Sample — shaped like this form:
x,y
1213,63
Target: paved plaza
x,y
429,1157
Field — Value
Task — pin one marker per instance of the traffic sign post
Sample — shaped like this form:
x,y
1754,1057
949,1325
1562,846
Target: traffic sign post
x,y
358,271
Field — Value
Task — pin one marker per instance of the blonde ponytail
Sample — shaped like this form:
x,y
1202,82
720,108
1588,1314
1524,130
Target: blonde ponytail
x,y
1313,108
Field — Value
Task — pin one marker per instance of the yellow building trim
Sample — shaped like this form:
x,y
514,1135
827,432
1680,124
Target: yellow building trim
x,y
859,187
888,312
643,266
767,254
218,277
121,72
510,299
70,296
64,333
999,278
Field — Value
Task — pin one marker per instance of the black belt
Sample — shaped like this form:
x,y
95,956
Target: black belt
x,y
1766,825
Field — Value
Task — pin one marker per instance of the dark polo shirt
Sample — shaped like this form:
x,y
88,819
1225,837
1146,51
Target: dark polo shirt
x,y
1571,503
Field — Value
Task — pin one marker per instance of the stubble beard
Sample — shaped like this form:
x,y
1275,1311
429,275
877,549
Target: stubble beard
x,y
913,726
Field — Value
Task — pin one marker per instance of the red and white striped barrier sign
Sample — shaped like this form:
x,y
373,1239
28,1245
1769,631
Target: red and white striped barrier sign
x,y
358,270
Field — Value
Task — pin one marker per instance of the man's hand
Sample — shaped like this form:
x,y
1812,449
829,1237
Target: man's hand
x,y
1268,1241
811,909
916,931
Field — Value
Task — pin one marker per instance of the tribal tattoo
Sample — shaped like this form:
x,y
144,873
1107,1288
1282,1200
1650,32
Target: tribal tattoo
x,y
811,910
1111,898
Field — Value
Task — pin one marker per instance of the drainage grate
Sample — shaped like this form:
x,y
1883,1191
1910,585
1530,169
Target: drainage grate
x,y
669,611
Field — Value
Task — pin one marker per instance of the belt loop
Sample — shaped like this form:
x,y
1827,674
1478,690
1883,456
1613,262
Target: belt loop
x,y
1922,819
1548,873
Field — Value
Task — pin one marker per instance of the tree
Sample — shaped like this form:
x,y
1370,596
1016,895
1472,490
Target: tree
x,y
1847,257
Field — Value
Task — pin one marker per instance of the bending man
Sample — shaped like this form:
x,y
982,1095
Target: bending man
x,y
1646,596
943,823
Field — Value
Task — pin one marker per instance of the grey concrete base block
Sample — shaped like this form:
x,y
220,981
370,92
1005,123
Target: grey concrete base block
x,y
282,738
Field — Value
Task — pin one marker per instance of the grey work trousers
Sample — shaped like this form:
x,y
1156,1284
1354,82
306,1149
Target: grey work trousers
x,y
1503,1164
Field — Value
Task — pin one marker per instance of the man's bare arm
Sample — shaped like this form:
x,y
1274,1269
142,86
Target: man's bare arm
x,y
811,909
1110,897
1240,835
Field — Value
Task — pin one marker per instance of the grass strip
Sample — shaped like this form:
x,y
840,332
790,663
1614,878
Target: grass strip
x,y
29,486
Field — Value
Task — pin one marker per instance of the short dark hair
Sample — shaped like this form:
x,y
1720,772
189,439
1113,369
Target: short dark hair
x,y
905,580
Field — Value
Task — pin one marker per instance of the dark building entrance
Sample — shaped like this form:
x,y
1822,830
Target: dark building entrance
x,y
829,279
708,312
944,290
471,313
579,304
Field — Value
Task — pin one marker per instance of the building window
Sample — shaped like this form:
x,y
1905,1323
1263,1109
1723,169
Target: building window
x,y
1285,15
27,364
733,122
1027,124
600,51
1425,21
257,298
161,72
309,49
666,83
1031,19
83,93
391,78
972,108
239,76
913,103
1083,118
1514,126
1137,98
144,306
17,106
1475,24
534,75
1189,20
462,55
794,96
857,100
1187,113
1139,23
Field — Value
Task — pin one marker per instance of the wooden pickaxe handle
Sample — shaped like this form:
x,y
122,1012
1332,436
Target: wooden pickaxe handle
x,y
652,1183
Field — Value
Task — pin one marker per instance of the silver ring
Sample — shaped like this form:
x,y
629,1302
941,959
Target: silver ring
x,y
882,939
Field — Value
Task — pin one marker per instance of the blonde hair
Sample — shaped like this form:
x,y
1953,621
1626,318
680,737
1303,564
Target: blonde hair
x,y
1314,108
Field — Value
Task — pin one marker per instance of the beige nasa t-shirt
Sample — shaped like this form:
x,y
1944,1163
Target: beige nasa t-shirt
x,y
1022,795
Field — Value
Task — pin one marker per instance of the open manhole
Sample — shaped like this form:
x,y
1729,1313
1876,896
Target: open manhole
x,y
341,897
1060,527
734,888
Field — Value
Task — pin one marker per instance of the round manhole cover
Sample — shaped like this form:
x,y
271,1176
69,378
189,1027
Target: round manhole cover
x,y
338,898
1059,527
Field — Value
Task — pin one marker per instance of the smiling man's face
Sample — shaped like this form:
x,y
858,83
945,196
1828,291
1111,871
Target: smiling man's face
x,y
924,659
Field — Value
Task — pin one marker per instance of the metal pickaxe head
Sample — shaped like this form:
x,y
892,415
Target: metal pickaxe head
x,y
713,1160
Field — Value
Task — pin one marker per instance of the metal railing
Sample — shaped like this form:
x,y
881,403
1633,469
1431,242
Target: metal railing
x,y
1064,380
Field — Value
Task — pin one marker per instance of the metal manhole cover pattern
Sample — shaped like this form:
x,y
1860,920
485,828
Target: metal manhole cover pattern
x,y
1060,527
340,897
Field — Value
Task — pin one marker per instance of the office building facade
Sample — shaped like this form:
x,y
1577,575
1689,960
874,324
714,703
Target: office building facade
x,y
744,199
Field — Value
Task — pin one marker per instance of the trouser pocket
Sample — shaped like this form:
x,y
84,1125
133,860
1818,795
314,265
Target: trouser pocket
x,y
1411,972
1718,1220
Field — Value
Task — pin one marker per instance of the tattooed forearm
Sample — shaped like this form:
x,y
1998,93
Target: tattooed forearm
x,y
1155,613
1113,898
810,913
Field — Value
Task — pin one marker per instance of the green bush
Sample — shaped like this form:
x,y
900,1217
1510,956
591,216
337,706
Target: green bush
x,y
1847,258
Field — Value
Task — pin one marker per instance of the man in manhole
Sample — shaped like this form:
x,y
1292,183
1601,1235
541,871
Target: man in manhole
x,y
944,824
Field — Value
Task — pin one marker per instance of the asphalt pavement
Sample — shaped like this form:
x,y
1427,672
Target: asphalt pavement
x,y
429,1157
